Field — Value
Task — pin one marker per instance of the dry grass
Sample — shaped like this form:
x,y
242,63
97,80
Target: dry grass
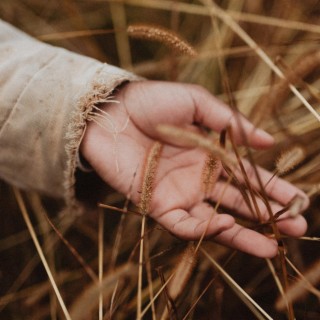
x,y
261,57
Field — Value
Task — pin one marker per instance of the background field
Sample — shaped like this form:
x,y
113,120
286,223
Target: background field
x,y
286,31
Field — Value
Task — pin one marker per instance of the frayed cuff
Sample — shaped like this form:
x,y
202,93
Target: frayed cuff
x,y
101,92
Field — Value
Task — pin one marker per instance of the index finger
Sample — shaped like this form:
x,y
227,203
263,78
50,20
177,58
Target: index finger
x,y
214,114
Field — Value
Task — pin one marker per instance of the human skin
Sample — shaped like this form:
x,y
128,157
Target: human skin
x,y
178,199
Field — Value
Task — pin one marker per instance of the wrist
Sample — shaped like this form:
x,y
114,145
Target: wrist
x,y
104,123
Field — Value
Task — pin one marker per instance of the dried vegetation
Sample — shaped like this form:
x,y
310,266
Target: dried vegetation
x,y
259,56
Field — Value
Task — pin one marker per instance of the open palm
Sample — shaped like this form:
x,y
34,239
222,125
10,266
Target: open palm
x,y
118,145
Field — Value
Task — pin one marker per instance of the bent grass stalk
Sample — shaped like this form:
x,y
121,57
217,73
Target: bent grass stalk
x,y
28,222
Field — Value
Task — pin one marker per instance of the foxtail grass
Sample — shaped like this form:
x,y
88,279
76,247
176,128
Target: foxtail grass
x,y
144,207
163,36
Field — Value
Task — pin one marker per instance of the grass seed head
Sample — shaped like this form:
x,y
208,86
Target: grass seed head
x,y
188,139
210,173
183,272
162,35
289,159
149,176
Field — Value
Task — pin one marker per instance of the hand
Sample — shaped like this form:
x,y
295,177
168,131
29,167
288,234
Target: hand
x,y
178,198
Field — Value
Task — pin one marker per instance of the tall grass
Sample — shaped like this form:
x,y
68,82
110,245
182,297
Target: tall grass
x,y
262,58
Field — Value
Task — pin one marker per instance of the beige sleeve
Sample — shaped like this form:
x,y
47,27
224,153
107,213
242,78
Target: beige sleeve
x,y
45,96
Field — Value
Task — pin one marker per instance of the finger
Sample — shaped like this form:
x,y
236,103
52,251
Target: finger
x,y
180,223
230,197
214,114
277,189
248,241
293,227
202,211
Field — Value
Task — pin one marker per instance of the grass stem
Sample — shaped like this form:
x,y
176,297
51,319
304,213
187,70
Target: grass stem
x,y
28,222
